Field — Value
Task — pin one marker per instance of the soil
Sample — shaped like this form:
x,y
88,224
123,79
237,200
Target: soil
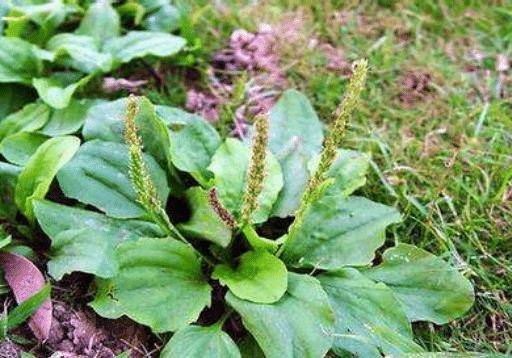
x,y
9,349
76,331
82,334
415,87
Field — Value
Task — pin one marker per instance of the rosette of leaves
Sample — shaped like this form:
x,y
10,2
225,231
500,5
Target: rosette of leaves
x,y
254,247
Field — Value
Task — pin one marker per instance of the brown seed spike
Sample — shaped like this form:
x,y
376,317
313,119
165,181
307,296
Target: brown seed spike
x,y
220,210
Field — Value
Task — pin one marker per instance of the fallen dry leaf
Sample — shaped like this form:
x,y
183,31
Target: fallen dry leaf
x,y
25,280
111,84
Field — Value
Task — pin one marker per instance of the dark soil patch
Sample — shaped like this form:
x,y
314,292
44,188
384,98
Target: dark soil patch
x,y
81,333
9,349
415,87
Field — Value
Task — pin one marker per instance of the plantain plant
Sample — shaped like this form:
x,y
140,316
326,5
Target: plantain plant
x,y
239,247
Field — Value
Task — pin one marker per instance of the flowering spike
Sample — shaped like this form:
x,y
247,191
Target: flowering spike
x,y
256,172
147,195
318,182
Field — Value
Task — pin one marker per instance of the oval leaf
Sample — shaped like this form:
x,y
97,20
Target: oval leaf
x,y
57,90
29,119
35,179
300,324
295,136
230,180
19,147
99,175
19,61
55,219
193,146
138,44
100,21
361,305
80,53
67,120
205,342
348,171
427,287
160,284
259,277
84,251
85,241
105,121
338,231
204,223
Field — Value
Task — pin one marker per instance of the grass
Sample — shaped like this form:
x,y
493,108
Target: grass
x,y
445,159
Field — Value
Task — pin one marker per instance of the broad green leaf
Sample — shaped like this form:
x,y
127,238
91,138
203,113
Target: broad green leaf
x,y
395,343
68,120
103,303
80,53
160,284
174,118
19,147
85,251
55,219
8,177
428,288
154,134
165,19
350,345
19,61
295,136
35,179
99,175
348,171
138,44
201,342
361,305
14,97
300,324
58,89
105,121
29,119
47,14
259,277
229,165
101,22
338,231
204,223
193,146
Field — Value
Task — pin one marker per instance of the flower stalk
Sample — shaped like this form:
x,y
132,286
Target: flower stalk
x,y
257,169
319,181
147,195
